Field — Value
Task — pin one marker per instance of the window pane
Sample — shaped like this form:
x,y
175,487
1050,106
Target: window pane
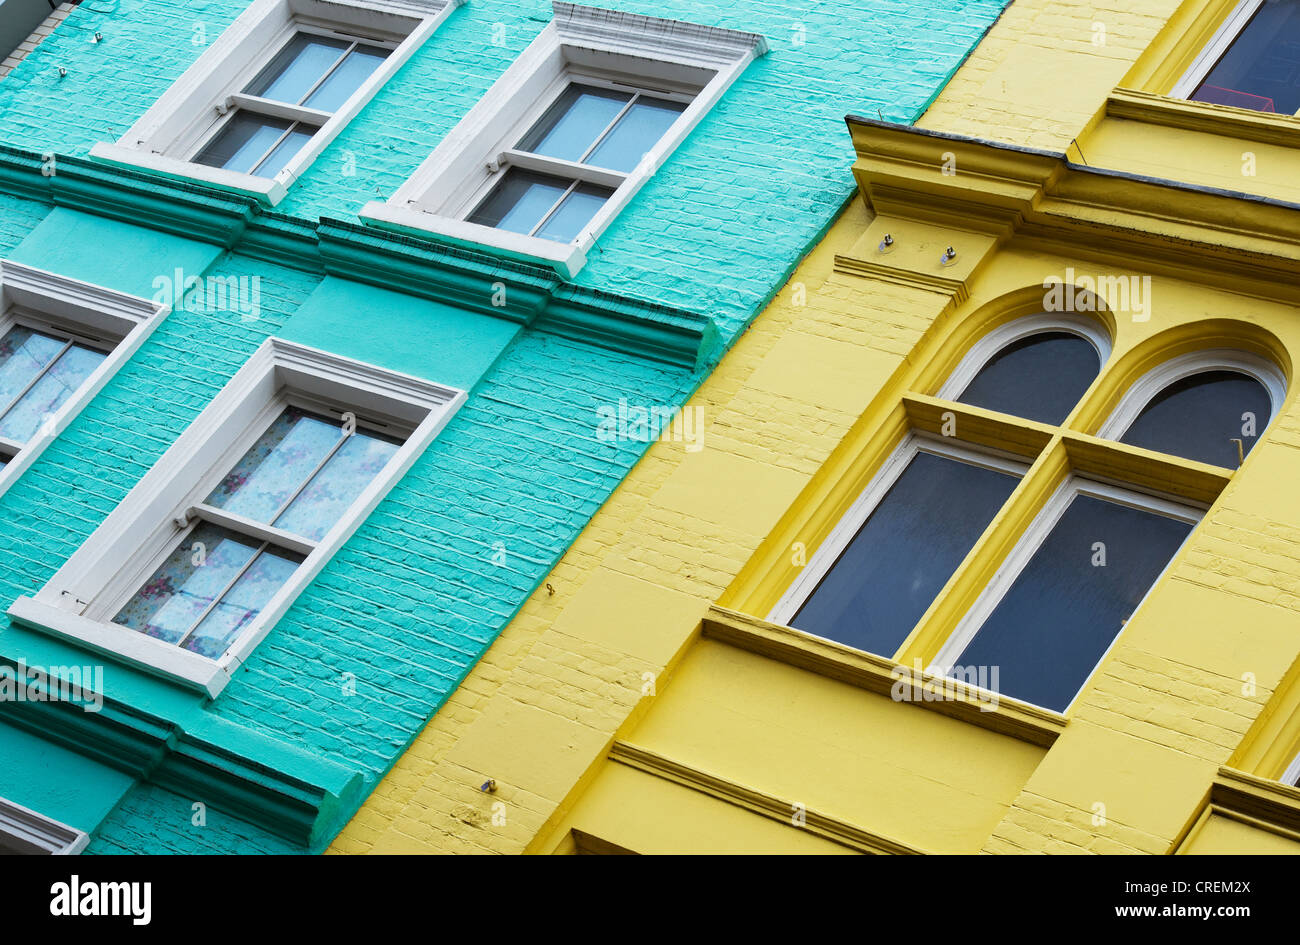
x,y
347,78
1059,616
281,460
242,603
186,583
520,201
242,142
337,485
23,354
297,67
1261,69
1199,416
571,126
636,133
1040,377
575,213
47,395
284,151
904,553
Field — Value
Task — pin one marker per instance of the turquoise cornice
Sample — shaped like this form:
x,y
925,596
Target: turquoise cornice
x,y
209,759
475,280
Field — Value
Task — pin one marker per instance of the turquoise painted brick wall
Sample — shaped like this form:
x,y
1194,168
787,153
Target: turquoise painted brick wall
x,y
416,596
712,232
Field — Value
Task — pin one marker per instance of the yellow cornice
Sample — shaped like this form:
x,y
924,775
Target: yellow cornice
x,y
1249,243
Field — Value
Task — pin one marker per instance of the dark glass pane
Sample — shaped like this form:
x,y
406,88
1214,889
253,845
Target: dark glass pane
x,y
297,67
347,78
1261,69
277,465
187,583
571,126
1040,377
520,201
240,605
904,553
239,146
636,133
1199,416
47,395
575,213
1051,628
337,485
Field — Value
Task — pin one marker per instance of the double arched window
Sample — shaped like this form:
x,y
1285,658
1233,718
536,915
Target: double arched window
x,y
1101,527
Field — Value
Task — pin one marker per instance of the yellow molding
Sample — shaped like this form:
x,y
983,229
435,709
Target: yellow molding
x,y
953,288
1268,802
876,674
755,801
977,425
1236,123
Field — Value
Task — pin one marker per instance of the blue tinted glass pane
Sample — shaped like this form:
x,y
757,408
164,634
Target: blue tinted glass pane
x,y
23,354
284,151
347,78
1040,377
187,582
520,201
904,553
282,459
1199,416
297,67
337,485
47,395
571,126
242,603
575,213
635,134
1261,69
241,143
1059,616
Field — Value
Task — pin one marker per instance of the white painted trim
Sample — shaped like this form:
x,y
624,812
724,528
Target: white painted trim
x,y
1291,775
168,135
142,530
1145,388
62,304
848,527
579,42
994,341
1074,485
1215,48
38,833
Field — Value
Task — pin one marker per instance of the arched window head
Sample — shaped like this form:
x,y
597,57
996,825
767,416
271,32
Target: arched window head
x,y
1209,406
1035,367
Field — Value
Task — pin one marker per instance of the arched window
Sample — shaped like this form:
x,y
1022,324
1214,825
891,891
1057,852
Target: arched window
x,y
1035,367
1200,406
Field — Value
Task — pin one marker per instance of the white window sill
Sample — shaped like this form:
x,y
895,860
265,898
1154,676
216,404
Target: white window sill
x,y
268,190
566,258
123,645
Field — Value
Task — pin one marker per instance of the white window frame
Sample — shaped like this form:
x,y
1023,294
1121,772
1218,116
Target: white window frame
x,y
37,833
80,600
983,351
1145,388
643,53
1291,775
112,321
186,117
1032,539
823,560
1214,50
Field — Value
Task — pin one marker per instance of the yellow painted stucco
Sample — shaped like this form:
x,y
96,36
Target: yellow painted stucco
x,y
640,702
